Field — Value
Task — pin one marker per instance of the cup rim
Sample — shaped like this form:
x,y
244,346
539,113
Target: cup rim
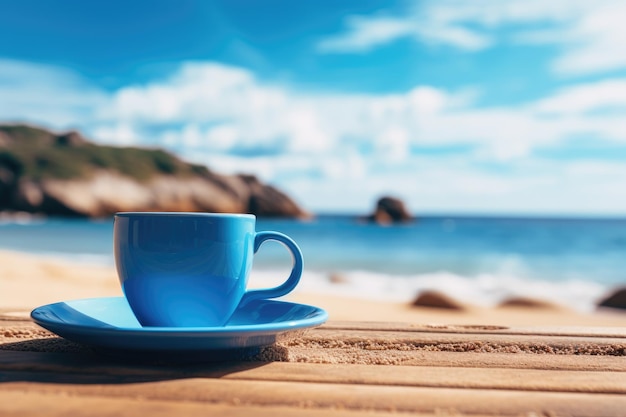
x,y
183,214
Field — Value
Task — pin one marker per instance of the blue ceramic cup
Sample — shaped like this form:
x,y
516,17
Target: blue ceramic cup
x,y
191,269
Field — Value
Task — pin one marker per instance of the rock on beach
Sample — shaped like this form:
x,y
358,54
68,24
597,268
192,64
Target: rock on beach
x,y
617,299
436,299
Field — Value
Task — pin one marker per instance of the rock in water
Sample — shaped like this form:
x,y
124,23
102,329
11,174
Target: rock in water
x,y
390,210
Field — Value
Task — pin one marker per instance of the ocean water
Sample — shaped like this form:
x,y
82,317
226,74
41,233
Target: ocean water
x,y
481,260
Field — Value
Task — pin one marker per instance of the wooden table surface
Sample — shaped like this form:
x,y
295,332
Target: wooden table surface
x,y
341,368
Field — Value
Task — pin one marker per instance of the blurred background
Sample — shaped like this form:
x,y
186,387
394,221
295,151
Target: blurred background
x,y
483,106
500,125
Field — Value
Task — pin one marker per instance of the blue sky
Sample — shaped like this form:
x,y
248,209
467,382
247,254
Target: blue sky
x,y
483,106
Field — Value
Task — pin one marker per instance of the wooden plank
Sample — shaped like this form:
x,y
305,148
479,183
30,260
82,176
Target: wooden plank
x,y
13,366
14,315
71,361
392,347
388,348
36,404
429,376
559,337
460,342
575,331
368,340
346,397
459,359
491,372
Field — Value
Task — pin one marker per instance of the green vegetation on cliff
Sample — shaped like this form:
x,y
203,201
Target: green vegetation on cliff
x,y
66,175
37,154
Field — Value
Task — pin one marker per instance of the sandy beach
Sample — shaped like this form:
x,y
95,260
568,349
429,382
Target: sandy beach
x,y
29,281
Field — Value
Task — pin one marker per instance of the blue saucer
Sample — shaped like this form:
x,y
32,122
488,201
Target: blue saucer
x,y
109,324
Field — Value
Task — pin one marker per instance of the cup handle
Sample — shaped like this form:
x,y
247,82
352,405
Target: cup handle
x,y
296,270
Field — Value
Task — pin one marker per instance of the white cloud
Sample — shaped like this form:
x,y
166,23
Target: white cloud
x,y
336,151
118,133
45,94
595,40
458,185
232,111
365,33
589,33
235,123
603,95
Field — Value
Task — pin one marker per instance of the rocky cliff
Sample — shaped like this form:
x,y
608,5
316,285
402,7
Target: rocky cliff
x,y
65,174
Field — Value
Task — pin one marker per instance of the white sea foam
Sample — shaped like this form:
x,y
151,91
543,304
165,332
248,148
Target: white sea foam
x,y
79,258
483,290
21,218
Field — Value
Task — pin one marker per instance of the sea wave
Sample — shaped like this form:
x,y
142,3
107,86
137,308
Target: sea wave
x,y
96,259
21,218
486,290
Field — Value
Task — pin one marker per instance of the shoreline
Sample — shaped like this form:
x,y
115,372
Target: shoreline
x,y
30,281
